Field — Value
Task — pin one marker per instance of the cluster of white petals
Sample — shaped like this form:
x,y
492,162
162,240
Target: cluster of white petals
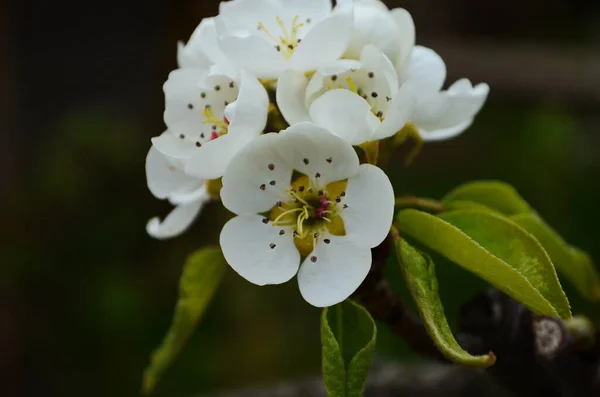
x,y
340,77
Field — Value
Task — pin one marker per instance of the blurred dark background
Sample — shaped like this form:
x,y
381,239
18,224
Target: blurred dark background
x,y
85,294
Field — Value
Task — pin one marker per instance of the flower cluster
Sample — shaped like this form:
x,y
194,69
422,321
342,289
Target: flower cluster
x,y
285,103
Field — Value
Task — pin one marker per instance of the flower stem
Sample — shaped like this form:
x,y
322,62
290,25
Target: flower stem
x,y
421,203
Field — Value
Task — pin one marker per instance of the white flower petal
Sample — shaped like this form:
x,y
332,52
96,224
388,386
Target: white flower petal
x,y
373,24
345,114
444,133
291,89
248,114
179,151
254,54
258,252
407,36
451,108
317,153
200,193
165,179
314,9
178,221
211,160
255,177
426,71
325,42
399,112
204,40
370,201
332,272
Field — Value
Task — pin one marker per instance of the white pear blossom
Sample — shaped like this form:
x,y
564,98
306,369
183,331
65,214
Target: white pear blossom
x,y
392,31
303,202
166,180
440,114
210,116
359,101
267,37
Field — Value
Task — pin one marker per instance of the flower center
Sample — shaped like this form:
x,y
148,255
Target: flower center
x,y
219,126
313,214
288,41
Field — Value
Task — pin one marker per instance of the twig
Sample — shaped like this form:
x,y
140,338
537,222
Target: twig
x,y
421,203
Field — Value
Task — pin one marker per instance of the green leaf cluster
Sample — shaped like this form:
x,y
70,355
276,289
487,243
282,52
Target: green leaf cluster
x,y
202,274
348,335
499,197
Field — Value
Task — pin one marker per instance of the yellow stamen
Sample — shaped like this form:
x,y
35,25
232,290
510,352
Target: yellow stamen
x,y
284,214
297,197
351,85
211,118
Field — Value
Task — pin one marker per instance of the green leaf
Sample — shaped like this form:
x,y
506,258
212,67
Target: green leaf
x,y
419,273
574,264
348,335
458,205
202,274
497,250
496,195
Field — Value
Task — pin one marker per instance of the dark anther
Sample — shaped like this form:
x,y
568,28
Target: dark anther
x,y
387,98
203,95
379,114
265,220
279,203
217,87
305,161
334,77
301,189
182,136
371,75
329,160
343,194
281,232
327,241
272,183
278,48
320,193
313,259
271,167
226,103
317,175
338,200
345,205
291,46
207,106
190,106
202,135
198,144
263,186
316,235
272,245
374,94
231,85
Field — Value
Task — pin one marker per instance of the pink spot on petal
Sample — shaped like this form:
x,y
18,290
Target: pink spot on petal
x,y
214,135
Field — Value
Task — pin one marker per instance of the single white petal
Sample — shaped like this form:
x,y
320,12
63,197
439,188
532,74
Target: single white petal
x,y
451,108
325,42
178,150
255,178
444,133
204,40
248,114
178,221
211,160
407,36
370,207
332,272
254,54
426,70
199,193
165,179
291,89
399,112
188,58
240,15
345,114
314,9
317,153
258,252
373,24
